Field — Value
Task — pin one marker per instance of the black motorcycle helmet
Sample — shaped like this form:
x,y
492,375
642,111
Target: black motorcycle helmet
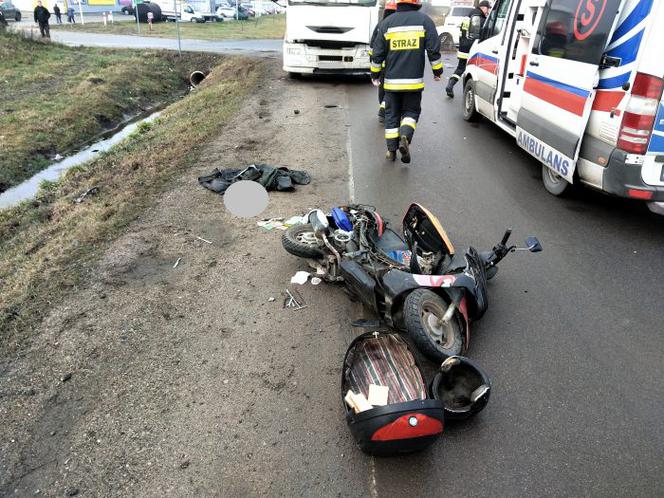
x,y
462,386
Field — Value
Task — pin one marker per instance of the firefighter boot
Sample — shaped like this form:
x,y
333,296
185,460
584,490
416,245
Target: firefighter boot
x,y
381,114
449,89
404,149
391,155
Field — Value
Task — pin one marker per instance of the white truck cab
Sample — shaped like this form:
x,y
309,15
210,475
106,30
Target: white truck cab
x,y
579,84
329,36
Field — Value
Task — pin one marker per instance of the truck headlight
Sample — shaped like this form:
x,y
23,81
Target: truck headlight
x,y
364,53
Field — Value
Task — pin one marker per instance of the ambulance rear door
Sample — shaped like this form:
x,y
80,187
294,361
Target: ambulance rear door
x,y
561,76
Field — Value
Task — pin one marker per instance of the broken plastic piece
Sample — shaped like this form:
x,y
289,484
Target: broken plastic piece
x,y
300,277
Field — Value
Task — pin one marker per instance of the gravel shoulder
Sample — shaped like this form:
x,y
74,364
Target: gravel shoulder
x,y
190,381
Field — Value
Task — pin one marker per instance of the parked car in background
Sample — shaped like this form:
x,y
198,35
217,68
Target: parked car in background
x,y
225,11
228,11
248,8
126,7
10,12
448,33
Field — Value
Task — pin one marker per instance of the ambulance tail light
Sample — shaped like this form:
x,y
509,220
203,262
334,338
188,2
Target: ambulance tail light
x,y
640,113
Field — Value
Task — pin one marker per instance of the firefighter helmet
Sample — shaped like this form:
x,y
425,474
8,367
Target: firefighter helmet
x,y
412,2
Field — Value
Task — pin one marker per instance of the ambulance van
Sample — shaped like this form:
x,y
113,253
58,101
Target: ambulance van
x,y
578,83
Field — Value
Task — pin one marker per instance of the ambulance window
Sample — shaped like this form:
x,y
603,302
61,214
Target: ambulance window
x,y
497,19
575,29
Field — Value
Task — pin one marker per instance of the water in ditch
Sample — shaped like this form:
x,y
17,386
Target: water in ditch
x,y
28,189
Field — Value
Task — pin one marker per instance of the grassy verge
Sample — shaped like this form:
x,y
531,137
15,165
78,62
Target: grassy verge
x,y
49,245
54,98
265,27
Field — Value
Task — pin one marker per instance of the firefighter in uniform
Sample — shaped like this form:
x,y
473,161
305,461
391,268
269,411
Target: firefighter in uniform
x,y
390,8
401,43
465,43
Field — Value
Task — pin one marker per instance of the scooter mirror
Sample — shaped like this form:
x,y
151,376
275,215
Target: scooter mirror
x,y
533,244
318,220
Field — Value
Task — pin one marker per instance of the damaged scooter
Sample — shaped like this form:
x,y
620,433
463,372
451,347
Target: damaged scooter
x,y
416,283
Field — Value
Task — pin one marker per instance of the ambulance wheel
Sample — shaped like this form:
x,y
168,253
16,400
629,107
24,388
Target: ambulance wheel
x,y
470,113
423,312
554,183
301,241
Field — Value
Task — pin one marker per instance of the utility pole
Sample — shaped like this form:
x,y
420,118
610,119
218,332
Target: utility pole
x,y
177,25
138,24
80,10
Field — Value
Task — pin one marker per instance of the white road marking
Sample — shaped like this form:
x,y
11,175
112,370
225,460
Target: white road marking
x,y
349,152
373,487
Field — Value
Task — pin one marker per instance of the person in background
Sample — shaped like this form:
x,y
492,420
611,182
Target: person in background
x,y
150,19
42,16
58,14
465,43
70,15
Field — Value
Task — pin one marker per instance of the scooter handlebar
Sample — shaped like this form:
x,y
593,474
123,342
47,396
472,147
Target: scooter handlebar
x,y
506,237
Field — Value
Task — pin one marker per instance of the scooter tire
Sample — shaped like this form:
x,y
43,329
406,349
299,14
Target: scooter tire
x,y
292,242
418,308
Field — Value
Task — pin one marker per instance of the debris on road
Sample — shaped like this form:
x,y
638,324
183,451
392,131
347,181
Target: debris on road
x,y
177,263
65,377
300,277
204,240
279,223
271,300
293,303
272,178
271,224
316,281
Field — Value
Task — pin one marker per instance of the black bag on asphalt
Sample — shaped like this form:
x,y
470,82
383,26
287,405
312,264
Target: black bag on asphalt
x,y
411,420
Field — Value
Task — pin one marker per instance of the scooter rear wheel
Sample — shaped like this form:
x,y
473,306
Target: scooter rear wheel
x,y
423,313
301,241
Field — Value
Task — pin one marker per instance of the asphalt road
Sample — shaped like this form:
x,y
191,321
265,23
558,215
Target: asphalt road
x,y
572,338
75,38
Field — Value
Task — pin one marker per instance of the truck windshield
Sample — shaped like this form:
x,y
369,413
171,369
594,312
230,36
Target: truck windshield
x,y
361,3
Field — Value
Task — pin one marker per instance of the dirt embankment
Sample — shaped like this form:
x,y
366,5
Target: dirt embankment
x,y
154,380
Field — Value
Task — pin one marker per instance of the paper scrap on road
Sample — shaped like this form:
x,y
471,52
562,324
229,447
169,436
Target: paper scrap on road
x,y
279,223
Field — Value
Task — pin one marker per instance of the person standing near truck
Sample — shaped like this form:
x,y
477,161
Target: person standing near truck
x,y
465,43
42,16
58,14
390,8
402,42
